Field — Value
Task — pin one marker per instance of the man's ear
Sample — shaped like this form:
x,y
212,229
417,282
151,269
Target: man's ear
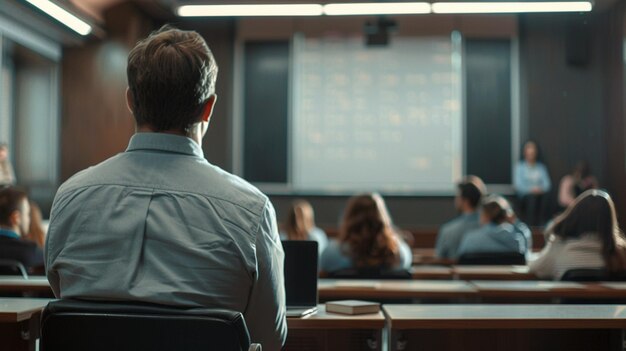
x,y
129,100
208,108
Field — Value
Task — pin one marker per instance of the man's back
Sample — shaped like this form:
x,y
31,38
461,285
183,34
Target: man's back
x,y
451,234
159,224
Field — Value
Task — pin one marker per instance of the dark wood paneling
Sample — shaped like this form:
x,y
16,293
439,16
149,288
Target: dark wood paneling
x,y
95,121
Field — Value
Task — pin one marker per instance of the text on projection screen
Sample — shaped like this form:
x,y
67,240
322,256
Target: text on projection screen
x,y
376,118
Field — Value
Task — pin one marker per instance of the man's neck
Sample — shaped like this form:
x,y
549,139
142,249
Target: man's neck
x,y
467,211
193,134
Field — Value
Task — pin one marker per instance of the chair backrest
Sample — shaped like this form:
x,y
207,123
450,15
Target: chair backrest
x,y
587,275
85,325
370,273
12,267
493,258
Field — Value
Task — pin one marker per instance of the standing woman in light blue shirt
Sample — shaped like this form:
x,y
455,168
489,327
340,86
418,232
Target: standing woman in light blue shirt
x,y
532,183
301,225
366,239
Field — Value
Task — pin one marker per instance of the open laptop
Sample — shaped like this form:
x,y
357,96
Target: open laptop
x,y
300,277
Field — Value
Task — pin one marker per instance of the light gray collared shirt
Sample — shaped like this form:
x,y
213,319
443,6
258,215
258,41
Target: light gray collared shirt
x,y
160,224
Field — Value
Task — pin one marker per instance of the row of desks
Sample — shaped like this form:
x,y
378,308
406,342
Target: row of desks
x,y
456,289
464,327
417,289
472,272
408,327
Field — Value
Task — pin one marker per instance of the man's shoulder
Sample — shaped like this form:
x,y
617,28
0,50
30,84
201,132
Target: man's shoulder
x,y
458,223
198,178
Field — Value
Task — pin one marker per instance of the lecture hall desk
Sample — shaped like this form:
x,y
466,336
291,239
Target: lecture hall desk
x,y
463,272
19,323
505,327
332,289
329,332
16,284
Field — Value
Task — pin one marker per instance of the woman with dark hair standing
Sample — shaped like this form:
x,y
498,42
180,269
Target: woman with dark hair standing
x,y
366,239
586,235
532,182
301,225
497,234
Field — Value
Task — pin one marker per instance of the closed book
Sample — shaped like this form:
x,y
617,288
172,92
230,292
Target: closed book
x,y
352,307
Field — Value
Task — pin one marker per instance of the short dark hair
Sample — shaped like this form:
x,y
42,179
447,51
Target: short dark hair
x,y
171,75
472,189
10,201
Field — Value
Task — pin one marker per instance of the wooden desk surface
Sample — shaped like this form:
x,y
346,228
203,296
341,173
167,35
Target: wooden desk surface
x,y
383,289
432,272
33,283
324,320
546,289
13,310
493,273
506,316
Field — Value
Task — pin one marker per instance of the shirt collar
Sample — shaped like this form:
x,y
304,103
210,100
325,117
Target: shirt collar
x,y
9,233
165,142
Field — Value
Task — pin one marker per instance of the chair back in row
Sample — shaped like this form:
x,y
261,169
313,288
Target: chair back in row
x,y
370,273
13,267
98,326
493,258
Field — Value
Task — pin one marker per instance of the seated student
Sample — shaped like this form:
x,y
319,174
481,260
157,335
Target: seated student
x,y
14,225
469,192
366,239
496,235
158,223
522,229
301,225
586,235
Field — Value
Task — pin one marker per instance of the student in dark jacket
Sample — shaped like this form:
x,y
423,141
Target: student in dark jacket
x,y
14,224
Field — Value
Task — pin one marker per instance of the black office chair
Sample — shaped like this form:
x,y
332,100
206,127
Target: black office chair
x,y
492,258
591,275
370,273
586,275
13,267
103,326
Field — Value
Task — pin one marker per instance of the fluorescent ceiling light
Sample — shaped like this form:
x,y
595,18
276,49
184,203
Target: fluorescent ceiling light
x,y
250,10
386,8
511,7
76,24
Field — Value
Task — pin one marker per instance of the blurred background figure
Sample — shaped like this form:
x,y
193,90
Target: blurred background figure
x,y
36,232
366,239
14,226
576,183
586,235
470,191
301,225
532,182
497,234
7,176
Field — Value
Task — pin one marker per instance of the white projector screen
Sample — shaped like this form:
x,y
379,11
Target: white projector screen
x,y
376,118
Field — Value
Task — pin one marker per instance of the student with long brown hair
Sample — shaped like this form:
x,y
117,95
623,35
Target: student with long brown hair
x,y
366,239
301,225
586,235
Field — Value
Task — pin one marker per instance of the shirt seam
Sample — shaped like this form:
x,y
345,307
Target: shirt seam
x,y
76,188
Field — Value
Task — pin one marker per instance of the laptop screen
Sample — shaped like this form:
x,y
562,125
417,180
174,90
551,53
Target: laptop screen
x,y
300,273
